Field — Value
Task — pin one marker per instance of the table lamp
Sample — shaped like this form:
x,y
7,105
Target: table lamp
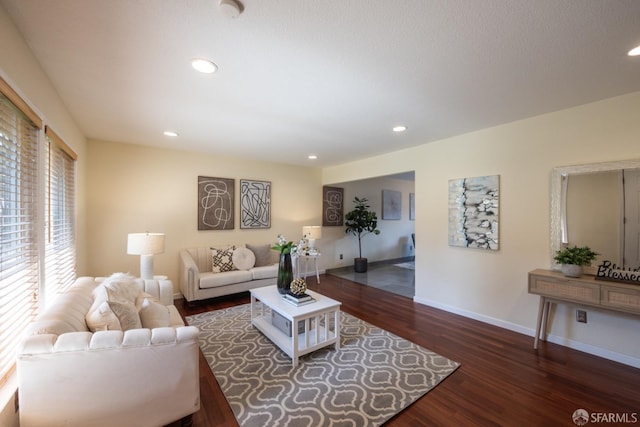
x,y
311,233
146,245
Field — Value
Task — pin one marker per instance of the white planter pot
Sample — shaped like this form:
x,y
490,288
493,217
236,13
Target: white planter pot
x,y
571,270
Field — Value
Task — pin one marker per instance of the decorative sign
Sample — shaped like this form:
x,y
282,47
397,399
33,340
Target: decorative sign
x,y
609,271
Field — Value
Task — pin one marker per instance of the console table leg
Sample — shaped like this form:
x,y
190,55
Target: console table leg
x,y
541,314
545,319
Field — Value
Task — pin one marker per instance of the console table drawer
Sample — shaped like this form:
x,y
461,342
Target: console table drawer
x,y
566,290
624,299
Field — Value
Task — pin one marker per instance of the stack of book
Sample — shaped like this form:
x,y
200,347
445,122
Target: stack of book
x,y
298,299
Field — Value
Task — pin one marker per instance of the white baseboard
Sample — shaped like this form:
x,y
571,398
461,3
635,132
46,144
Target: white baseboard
x,y
576,345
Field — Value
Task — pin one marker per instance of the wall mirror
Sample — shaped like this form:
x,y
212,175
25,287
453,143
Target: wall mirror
x,y
597,205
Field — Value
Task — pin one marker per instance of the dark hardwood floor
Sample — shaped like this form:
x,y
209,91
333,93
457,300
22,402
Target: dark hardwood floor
x,y
503,381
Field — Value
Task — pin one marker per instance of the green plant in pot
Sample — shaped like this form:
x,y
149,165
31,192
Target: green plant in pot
x,y
360,222
573,259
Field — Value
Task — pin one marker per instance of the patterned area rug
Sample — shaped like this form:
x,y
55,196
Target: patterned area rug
x,y
373,376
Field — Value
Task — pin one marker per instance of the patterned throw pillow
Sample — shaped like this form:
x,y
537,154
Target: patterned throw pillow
x,y
222,259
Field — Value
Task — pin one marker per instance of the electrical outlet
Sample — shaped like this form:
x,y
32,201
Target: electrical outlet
x,y
581,316
341,256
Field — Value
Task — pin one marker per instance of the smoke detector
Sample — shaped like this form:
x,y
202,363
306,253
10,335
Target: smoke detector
x,y
231,8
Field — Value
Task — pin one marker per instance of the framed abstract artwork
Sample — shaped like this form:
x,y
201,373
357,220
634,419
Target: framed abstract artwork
x,y
473,212
215,203
255,204
332,206
391,204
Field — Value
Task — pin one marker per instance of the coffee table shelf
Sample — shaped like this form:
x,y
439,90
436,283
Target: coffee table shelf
x,y
321,320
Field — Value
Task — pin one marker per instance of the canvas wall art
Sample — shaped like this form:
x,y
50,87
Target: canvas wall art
x,y
391,204
473,212
332,206
255,204
215,203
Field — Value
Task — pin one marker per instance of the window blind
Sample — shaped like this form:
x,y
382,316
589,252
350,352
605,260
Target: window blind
x,y
60,255
19,195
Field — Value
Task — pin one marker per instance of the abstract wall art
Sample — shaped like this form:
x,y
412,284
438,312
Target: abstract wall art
x,y
332,206
215,203
391,204
473,212
255,204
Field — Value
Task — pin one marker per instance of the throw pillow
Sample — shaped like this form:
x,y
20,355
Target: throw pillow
x,y
222,259
262,254
154,315
143,296
122,287
102,318
243,259
127,315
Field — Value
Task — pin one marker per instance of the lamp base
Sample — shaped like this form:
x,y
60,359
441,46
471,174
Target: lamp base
x,y
146,267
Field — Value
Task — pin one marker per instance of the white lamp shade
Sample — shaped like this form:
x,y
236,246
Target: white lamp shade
x,y
312,232
145,243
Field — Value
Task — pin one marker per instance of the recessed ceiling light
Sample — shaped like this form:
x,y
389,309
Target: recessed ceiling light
x,y
170,133
635,51
312,157
204,65
399,128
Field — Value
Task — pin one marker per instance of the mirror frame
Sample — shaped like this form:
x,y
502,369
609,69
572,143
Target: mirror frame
x,y
558,190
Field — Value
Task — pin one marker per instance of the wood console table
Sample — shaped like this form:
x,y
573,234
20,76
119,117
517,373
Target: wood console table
x,y
554,287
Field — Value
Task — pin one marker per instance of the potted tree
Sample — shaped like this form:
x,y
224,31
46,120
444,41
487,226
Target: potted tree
x,y
573,259
360,222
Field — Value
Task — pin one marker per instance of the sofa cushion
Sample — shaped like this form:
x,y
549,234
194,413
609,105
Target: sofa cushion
x,y
212,280
266,272
243,259
222,259
262,253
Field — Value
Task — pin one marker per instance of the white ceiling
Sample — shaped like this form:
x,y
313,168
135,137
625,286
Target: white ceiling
x,y
328,77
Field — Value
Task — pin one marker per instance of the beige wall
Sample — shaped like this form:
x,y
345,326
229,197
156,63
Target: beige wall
x,y
492,286
134,188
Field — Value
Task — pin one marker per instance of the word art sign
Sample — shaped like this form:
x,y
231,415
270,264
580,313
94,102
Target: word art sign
x,y
610,271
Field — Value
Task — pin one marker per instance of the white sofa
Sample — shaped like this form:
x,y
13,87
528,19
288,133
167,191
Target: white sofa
x,y
70,376
198,281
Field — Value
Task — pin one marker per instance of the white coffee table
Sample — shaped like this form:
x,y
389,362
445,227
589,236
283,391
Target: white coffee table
x,y
321,321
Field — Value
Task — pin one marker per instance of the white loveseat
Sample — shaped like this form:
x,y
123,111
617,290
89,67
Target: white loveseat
x,y
70,376
248,267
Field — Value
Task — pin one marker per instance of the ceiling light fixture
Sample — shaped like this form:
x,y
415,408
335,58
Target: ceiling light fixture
x,y
204,65
312,157
635,51
170,133
231,8
399,128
